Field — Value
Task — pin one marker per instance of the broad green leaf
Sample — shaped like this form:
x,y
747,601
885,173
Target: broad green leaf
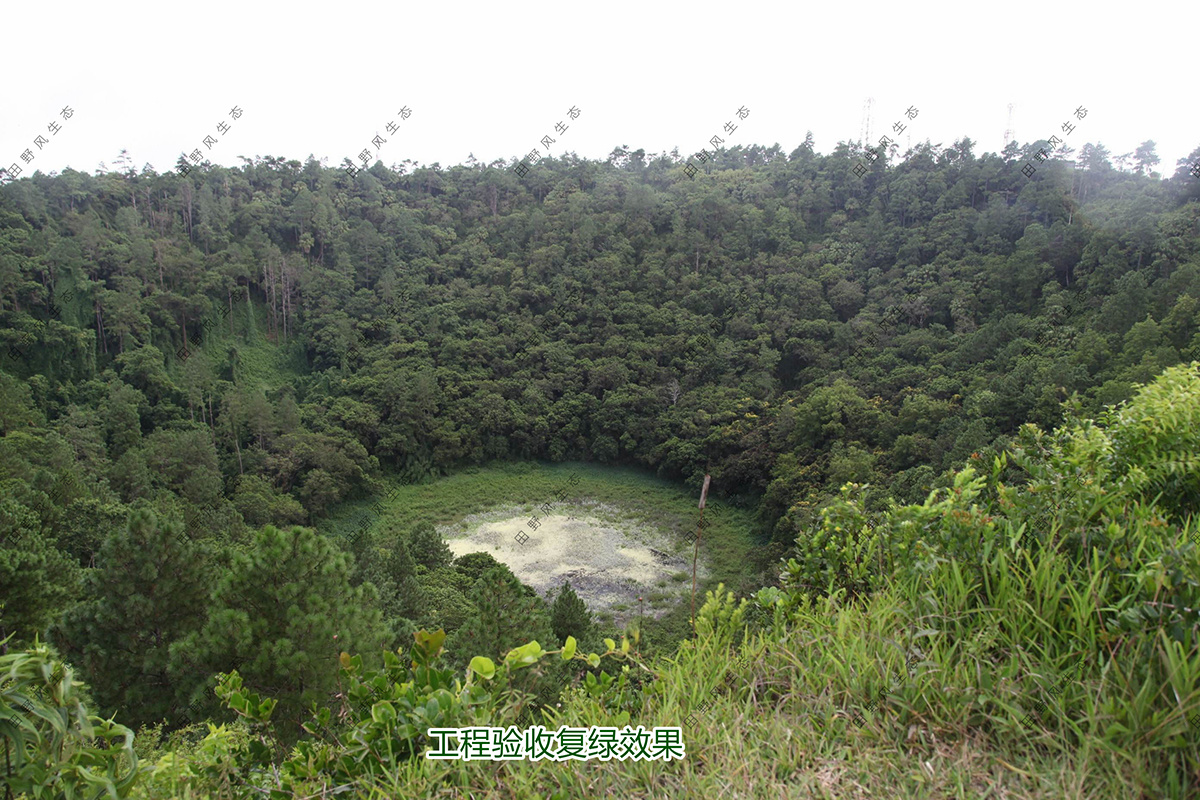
x,y
569,649
525,655
383,712
483,667
431,643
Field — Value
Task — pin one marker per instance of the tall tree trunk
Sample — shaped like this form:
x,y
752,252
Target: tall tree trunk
x,y
269,286
158,260
100,329
187,193
237,447
212,425
285,291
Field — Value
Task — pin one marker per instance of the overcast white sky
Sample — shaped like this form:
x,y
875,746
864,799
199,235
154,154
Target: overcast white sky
x,y
493,78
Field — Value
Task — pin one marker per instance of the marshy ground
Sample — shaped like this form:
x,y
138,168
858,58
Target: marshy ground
x,y
631,536
609,559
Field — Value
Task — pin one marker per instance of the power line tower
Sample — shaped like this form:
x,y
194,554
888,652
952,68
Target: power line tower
x,y
864,132
1008,132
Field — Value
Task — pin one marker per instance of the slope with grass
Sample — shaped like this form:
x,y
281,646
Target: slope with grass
x,y
1030,632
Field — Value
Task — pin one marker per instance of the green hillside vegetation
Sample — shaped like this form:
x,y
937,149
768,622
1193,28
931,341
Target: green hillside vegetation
x,y
1030,630
950,414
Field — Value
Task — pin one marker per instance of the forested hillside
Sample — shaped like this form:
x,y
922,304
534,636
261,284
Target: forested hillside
x,y
196,372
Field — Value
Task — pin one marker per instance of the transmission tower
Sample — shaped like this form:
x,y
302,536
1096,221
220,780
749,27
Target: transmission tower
x,y
1008,132
864,132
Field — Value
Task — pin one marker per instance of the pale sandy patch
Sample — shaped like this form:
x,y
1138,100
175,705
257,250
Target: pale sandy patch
x,y
609,560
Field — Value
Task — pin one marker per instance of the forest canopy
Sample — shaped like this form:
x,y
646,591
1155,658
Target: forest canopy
x,y
196,371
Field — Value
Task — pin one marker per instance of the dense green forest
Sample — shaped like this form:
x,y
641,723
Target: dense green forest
x,y
199,374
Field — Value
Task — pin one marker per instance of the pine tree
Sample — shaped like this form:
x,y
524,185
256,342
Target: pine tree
x,y
569,616
149,591
507,618
282,615
475,565
428,548
36,578
402,597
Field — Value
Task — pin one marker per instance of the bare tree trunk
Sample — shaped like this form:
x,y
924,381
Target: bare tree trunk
x,y
238,449
286,291
212,424
269,281
158,260
100,329
187,193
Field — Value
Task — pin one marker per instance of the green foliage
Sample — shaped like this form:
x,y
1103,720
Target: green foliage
x,y
1077,584
52,747
383,716
569,616
720,616
893,302
37,578
402,593
842,552
260,503
149,592
428,548
475,565
278,617
446,605
777,323
1038,603
505,616
1156,441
